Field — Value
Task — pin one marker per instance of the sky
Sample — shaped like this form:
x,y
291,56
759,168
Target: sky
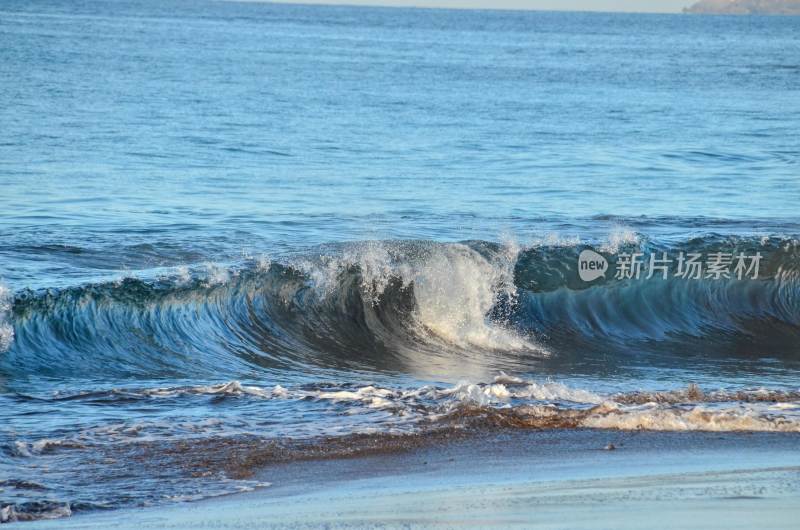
x,y
649,6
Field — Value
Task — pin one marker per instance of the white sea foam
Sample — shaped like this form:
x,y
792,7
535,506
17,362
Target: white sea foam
x,y
368,395
506,379
619,237
29,449
6,329
556,240
552,391
455,287
182,275
217,274
233,388
657,417
20,448
478,394
679,410
500,392
543,404
263,263
715,411
280,392
9,514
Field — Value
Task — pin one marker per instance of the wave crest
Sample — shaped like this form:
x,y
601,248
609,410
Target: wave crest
x,y
418,306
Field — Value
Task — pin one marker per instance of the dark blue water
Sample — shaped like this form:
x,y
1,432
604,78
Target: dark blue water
x,y
229,225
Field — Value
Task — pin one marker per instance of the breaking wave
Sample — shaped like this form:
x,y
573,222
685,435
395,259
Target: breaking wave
x,y
398,306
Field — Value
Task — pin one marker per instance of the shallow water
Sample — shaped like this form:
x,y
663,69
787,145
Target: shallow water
x,y
227,222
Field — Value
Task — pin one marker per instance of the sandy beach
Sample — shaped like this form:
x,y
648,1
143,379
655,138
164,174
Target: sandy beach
x,y
547,479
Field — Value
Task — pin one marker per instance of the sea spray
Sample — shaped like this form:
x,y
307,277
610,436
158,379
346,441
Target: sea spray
x,y
6,329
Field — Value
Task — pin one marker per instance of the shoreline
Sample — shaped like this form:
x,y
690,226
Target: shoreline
x,y
556,478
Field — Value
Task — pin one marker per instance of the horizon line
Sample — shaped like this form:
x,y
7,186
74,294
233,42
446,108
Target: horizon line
x,y
376,4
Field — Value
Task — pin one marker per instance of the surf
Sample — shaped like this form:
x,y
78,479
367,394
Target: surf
x,y
396,305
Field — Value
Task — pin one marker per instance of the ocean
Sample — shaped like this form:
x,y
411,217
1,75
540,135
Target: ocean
x,y
241,233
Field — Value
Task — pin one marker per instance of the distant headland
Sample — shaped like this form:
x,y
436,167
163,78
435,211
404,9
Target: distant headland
x,y
745,7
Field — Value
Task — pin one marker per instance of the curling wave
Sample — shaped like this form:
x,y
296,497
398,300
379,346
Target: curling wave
x,y
400,306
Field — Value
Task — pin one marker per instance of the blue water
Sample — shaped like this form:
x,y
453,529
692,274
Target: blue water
x,y
379,211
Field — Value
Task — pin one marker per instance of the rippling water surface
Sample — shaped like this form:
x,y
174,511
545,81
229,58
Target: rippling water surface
x,y
238,233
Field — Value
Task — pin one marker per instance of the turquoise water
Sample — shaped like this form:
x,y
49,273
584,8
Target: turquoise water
x,y
225,220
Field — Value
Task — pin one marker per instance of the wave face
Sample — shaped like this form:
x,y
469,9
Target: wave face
x,y
364,306
412,307
196,376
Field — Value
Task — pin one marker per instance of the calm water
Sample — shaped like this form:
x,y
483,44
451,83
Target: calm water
x,y
227,224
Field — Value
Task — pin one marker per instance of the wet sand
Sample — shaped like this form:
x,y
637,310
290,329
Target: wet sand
x,y
548,479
